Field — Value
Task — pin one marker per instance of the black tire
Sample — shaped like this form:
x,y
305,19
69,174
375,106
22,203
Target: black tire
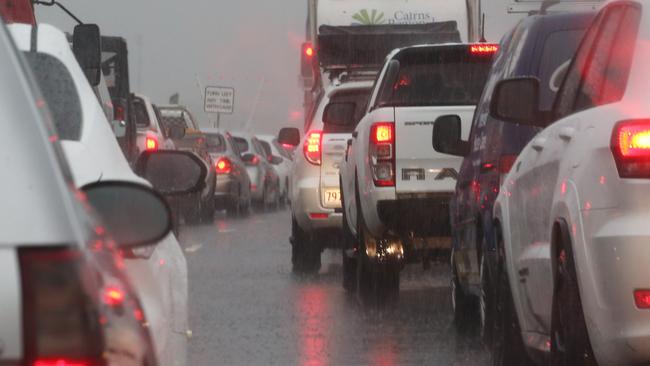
x,y
486,303
207,211
305,253
192,212
570,345
464,306
376,283
349,263
508,346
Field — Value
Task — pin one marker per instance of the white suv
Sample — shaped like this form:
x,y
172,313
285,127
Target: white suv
x,y
573,213
314,184
396,188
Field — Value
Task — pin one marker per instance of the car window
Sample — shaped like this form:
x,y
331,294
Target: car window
x,y
559,48
258,148
172,117
360,98
242,144
141,115
595,71
216,143
267,147
436,77
60,94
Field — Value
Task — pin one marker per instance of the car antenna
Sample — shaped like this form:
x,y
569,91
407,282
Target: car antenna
x,y
54,2
483,40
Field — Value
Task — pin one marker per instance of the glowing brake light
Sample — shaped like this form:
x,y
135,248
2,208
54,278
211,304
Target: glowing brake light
x,y
309,51
151,144
642,299
383,133
312,147
59,362
630,145
483,49
224,166
382,153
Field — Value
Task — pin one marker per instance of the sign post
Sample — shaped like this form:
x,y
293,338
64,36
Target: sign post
x,y
219,99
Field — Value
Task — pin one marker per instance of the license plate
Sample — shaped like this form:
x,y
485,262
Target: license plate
x,y
332,196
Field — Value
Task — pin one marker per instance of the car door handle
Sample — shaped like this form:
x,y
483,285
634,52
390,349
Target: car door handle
x,y
539,143
566,133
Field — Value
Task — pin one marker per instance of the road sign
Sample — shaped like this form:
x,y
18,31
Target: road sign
x,y
219,99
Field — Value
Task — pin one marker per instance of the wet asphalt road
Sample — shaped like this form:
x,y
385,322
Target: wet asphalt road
x,y
247,308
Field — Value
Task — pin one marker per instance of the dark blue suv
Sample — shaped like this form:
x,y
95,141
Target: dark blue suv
x,y
540,46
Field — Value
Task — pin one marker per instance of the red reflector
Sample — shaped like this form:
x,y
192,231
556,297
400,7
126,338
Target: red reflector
x,y
319,216
642,299
151,144
483,49
224,166
113,296
60,362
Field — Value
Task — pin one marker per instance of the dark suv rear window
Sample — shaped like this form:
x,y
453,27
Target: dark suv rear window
x,y
436,76
357,96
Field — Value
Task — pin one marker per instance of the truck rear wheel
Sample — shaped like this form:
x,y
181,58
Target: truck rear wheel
x,y
305,253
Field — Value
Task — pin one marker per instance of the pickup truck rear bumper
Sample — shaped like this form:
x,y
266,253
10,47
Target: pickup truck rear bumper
x,y
425,215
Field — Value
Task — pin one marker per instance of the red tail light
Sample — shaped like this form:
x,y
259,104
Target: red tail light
x,y
630,145
151,144
60,362
224,165
483,49
308,50
505,165
382,153
60,308
312,147
642,299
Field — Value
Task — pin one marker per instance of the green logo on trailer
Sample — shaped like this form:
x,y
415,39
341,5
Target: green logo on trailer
x,y
373,18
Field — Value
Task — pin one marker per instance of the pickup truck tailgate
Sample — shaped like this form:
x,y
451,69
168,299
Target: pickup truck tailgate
x,y
419,168
334,146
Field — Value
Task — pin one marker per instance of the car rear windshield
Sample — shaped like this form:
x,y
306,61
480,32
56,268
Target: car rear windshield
x,y
357,96
436,76
267,148
60,93
141,115
216,143
172,117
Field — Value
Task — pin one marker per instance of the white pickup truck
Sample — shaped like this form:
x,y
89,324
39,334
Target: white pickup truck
x,y
395,187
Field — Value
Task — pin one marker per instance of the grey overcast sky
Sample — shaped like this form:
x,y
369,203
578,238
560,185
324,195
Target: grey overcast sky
x,y
175,45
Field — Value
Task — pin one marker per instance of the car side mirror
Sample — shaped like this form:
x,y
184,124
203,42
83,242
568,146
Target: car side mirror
x,y
339,113
119,128
249,159
516,100
447,136
132,214
176,132
172,172
87,48
289,136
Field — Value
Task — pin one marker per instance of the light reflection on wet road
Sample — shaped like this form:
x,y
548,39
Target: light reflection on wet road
x,y
247,308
